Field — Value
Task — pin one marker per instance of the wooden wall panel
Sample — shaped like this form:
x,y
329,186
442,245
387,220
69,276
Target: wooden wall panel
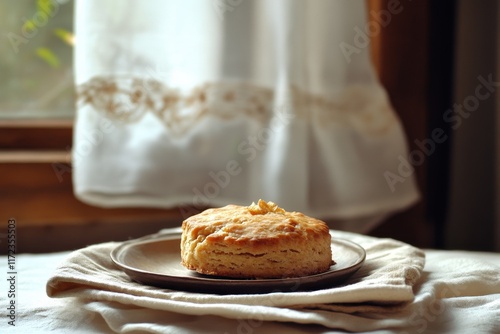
x,y
401,56
49,217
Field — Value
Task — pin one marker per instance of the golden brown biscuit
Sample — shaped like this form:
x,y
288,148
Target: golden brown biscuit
x,y
258,241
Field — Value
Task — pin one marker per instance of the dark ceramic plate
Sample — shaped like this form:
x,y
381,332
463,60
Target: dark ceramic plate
x,y
156,261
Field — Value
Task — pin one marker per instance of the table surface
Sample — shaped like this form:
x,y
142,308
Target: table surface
x,y
37,313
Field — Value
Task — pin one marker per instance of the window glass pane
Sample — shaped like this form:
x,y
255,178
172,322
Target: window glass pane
x,y
36,78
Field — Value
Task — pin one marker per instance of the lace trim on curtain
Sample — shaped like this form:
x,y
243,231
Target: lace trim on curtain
x,y
127,100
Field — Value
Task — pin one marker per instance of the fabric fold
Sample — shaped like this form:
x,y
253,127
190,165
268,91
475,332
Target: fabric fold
x,y
384,284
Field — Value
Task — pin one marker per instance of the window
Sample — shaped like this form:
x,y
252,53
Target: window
x,y
36,112
35,59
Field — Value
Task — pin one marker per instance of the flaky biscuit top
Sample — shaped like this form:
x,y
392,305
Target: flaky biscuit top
x,y
263,224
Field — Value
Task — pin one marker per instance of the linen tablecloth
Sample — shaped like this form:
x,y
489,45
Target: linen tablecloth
x,y
383,285
457,292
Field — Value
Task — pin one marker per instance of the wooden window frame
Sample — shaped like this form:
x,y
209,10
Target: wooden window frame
x,y
36,190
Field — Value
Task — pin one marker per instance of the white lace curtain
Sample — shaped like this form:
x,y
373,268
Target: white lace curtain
x,y
204,103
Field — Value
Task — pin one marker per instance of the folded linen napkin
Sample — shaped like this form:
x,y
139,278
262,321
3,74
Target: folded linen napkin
x,y
383,284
